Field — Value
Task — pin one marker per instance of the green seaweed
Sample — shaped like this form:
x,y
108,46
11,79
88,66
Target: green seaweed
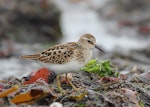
x,y
141,104
102,68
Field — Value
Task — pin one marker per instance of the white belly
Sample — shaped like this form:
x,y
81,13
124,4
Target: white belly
x,y
65,68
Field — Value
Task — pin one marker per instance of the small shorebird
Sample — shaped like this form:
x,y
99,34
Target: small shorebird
x,y
67,57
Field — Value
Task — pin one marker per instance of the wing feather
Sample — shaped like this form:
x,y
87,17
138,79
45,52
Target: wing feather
x,y
57,54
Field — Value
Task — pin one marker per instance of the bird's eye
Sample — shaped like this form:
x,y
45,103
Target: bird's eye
x,y
89,41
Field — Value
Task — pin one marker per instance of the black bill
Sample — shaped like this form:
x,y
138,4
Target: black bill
x,y
99,49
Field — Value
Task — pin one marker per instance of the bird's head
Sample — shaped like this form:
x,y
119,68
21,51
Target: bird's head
x,y
88,41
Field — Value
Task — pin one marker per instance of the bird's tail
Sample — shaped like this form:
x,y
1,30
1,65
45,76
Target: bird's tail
x,y
31,57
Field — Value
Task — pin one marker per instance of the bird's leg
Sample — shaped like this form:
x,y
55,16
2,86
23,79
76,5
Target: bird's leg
x,y
75,88
59,85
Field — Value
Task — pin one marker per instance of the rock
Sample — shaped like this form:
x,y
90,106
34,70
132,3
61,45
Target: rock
x,y
145,77
56,104
131,95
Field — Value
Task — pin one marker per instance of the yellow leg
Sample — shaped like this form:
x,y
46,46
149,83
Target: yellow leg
x,y
59,85
75,88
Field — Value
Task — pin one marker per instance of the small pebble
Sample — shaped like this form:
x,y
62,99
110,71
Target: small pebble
x,y
56,104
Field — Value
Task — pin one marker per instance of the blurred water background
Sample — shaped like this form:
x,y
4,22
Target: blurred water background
x,y
121,28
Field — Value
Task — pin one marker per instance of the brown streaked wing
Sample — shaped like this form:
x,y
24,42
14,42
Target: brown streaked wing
x,y
57,54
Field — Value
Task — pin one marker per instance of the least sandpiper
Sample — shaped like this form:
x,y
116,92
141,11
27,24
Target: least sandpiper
x,y
67,57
